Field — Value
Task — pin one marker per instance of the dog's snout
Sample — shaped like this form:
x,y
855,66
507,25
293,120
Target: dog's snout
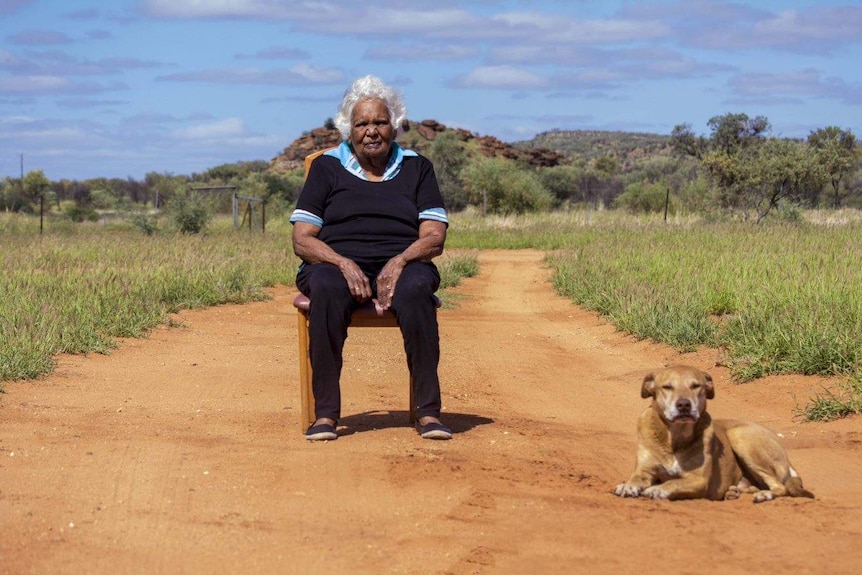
x,y
683,406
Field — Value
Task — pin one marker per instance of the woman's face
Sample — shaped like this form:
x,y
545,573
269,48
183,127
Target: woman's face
x,y
371,130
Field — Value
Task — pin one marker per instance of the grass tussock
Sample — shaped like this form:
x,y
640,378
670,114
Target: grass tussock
x,y
834,404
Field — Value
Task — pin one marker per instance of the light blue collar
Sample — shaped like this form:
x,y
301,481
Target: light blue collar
x,y
396,158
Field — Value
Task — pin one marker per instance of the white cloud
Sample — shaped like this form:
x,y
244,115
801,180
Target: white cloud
x,y
41,132
508,77
32,84
735,26
816,24
277,53
423,51
558,55
40,38
210,8
551,28
221,129
798,85
299,75
370,20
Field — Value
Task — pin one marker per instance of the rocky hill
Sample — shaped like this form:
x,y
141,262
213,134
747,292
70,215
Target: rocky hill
x,y
629,148
417,136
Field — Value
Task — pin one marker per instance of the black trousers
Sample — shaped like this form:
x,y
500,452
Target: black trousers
x,y
329,318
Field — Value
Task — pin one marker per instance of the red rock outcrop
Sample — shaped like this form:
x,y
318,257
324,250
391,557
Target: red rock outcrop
x,y
421,138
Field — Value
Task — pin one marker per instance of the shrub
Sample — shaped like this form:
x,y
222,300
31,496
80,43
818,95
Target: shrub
x,y
643,198
144,222
188,212
80,214
502,187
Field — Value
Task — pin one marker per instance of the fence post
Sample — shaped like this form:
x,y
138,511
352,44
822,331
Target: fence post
x,y
666,201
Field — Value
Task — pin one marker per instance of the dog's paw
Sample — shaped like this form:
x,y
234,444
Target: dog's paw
x,y
627,490
733,493
655,492
764,495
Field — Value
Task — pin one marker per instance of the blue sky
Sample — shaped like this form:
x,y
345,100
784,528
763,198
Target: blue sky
x,y
121,88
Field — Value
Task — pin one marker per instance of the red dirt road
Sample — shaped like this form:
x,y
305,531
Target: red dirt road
x,y
183,453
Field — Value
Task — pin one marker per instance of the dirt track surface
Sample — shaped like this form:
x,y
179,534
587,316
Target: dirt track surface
x,y
183,453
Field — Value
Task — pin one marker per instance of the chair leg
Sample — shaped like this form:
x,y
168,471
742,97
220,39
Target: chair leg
x,y
306,394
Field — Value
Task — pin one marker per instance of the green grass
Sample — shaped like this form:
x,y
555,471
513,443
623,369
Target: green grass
x,y
455,266
777,297
78,293
78,288
834,404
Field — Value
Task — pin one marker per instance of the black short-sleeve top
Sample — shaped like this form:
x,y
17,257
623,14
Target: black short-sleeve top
x,y
369,222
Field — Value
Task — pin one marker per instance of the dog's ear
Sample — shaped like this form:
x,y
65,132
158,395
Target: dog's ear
x,y
710,388
648,386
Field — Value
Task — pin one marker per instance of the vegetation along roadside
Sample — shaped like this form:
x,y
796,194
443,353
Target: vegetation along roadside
x,y
776,298
736,239
78,292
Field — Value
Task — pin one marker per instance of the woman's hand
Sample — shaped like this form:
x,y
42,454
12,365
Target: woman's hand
x,y
311,249
357,282
432,236
387,280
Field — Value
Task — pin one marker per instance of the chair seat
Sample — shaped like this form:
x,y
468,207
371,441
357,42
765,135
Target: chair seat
x,y
367,310
365,315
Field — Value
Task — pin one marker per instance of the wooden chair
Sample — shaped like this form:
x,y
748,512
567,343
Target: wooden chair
x,y
364,316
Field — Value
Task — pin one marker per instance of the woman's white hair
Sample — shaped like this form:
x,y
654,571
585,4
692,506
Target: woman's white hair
x,y
369,87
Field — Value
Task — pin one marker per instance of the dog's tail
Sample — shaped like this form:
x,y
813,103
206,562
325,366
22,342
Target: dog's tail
x,y
794,487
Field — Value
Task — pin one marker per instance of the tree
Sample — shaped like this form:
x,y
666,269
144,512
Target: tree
x,y
449,158
732,132
608,186
606,165
721,153
12,196
640,197
73,190
655,168
36,184
684,142
502,187
562,181
836,152
103,199
758,178
588,185
163,187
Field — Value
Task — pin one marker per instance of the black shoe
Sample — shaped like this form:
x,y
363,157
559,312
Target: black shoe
x,y
322,432
434,430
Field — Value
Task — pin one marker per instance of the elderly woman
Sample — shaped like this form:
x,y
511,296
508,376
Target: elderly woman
x,y
367,224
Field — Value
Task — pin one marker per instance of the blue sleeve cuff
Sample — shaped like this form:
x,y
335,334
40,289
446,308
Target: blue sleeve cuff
x,y
306,218
436,214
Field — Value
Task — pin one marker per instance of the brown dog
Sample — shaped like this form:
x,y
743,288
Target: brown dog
x,y
684,454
